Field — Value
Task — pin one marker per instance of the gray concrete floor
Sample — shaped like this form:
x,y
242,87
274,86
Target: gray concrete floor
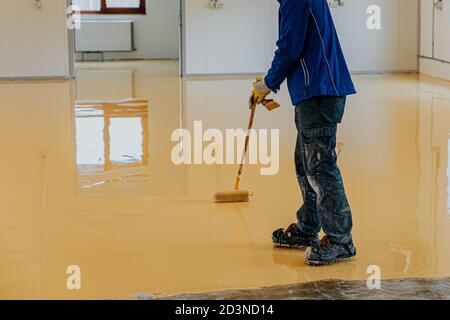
x,y
400,289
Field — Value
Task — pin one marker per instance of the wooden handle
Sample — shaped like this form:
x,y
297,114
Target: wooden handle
x,y
247,143
270,105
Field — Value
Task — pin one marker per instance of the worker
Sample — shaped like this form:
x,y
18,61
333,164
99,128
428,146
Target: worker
x,y
310,57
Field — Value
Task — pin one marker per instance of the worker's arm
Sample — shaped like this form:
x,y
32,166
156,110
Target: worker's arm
x,y
294,16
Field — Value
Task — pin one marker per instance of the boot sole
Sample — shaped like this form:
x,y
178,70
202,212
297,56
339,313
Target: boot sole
x,y
327,263
288,246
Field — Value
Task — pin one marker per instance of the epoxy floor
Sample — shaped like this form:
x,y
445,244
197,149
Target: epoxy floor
x,y
88,180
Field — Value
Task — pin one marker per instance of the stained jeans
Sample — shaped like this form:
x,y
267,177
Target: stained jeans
x,y
325,202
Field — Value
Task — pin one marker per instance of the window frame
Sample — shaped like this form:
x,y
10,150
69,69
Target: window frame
x,y
105,10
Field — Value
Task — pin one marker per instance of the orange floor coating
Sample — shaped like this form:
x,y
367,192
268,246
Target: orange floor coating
x,y
87,180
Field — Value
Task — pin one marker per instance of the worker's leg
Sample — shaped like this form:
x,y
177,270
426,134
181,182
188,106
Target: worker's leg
x,y
308,221
318,121
302,234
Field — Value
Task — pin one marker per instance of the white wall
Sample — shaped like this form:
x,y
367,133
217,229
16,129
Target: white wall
x,y
156,34
33,42
389,49
435,43
240,38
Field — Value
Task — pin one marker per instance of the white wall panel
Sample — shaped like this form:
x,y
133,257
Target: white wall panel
x,y
33,41
442,32
426,28
435,43
391,48
239,38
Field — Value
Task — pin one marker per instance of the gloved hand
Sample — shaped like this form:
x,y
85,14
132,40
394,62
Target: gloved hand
x,y
260,91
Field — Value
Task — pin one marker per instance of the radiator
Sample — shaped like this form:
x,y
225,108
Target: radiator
x,y
105,36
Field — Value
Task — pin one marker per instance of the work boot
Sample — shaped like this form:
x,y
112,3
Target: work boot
x,y
328,252
293,238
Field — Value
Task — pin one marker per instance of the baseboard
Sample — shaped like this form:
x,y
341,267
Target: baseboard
x,y
128,60
30,79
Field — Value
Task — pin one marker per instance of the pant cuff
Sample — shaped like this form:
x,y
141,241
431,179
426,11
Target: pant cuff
x,y
340,239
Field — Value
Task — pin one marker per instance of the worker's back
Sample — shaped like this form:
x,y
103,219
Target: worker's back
x,y
309,54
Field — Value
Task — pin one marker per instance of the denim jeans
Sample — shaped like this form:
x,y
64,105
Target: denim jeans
x,y
325,203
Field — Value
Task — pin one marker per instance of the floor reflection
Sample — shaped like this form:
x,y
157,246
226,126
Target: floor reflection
x,y
110,135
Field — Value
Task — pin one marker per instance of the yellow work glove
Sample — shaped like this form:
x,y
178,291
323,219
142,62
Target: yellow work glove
x,y
260,91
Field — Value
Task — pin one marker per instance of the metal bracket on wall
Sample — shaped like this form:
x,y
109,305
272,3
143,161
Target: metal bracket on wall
x,y
336,3
215,4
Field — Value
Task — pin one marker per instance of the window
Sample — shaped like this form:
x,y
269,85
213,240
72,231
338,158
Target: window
x,y
111,6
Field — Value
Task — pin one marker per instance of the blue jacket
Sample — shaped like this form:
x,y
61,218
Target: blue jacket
x,y
309,54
